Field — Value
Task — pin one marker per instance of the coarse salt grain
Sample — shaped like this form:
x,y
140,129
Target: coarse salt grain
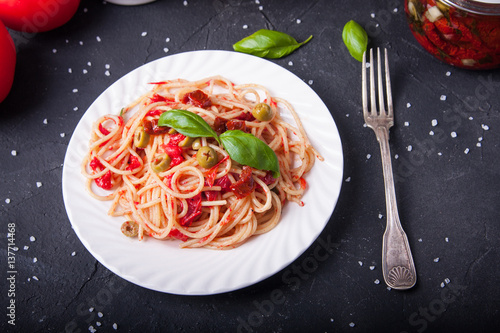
x,y
80,42
407,123
466,151
54,50
453,134
446,239
62,135
98,38
245,26
98,323
7,201
26,247
107,66
45,121
107,73
420,240
84,71
75,90
431,132
447,280
298,21
73,253
91,309
35,259
478,144
290,63
70,70
144,34
372,268
165,49
377,281
35,278
115,326
380,216
310,82
443,97
442,284
448,73
32,238
75,108
368,156
485,127
38,184
409,148
351,324
92,329
372,15
13,153
261,8
348,179
89,63
185,3
99,314
436,259
167,39
434,122
408,105
360,263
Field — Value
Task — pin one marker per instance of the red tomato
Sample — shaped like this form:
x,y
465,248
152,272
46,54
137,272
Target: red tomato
x,y
7,63
36,15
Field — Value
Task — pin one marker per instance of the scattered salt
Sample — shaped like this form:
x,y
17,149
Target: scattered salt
x,y
380,216
377,281
409,148
298,21
245,26
408,105
80,42
478,144
167,39
372,15
84,71
443,97
420,240
38,184
447,280
45,121
54,50
165,49
7,201
98,38
466,151
115,326
431,132
99,314
144,34
62,135
70,70
98,323
360,263
348,179
442,284
32,238
107,73
448,73
372,268
89,64
26,247
35,278
73,253
434,122
107,66
290,63
485,127
35,259
446,239
436,259
185,3
13,153
310,82
75,90
75,108
91,309
368,156
453,134
351,324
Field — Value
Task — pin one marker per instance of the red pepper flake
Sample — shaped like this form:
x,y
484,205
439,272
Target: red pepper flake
x,y
174,233
133,163
103,129
193,211
104,182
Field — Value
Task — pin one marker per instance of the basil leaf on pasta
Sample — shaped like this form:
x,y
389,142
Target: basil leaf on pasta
x,y
187,123
247,149
268,44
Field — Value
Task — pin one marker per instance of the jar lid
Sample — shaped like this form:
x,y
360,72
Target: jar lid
x,y
484,7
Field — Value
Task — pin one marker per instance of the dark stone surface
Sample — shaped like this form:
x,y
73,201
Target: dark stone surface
x,y
448,199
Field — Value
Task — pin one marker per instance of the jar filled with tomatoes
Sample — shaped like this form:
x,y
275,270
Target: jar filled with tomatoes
x,y
463,33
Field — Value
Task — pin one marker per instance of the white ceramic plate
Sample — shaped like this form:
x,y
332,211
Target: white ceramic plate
x,y
162,265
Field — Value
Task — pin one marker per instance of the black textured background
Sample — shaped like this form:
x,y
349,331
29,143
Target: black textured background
x,y
447,186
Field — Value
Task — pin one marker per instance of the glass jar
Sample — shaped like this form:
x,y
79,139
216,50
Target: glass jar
x,y
463,33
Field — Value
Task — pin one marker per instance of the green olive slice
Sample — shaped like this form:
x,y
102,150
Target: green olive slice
x,y
130,228
141,138
207,157
186,142
263,112
160,163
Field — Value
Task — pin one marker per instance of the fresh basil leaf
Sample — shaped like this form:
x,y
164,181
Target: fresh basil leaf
x,y
356,39
187,123
247,149
268,44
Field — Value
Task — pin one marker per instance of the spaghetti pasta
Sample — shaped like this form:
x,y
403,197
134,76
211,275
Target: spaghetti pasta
x,y
153,174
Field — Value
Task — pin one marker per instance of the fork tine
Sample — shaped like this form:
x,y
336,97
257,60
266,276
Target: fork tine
x,y
380,85
373,100
388,86
364,87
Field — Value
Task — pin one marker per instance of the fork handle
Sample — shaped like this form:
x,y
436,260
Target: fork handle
x,y
397,261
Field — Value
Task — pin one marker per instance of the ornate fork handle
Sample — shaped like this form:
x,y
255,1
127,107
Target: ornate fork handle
x,y
397,262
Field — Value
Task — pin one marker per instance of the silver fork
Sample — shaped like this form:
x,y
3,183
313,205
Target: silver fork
x,y
397,262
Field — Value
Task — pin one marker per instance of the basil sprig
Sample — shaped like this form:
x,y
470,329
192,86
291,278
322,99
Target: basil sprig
x,y
268,44
187,123
247,149
356,39
242,147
